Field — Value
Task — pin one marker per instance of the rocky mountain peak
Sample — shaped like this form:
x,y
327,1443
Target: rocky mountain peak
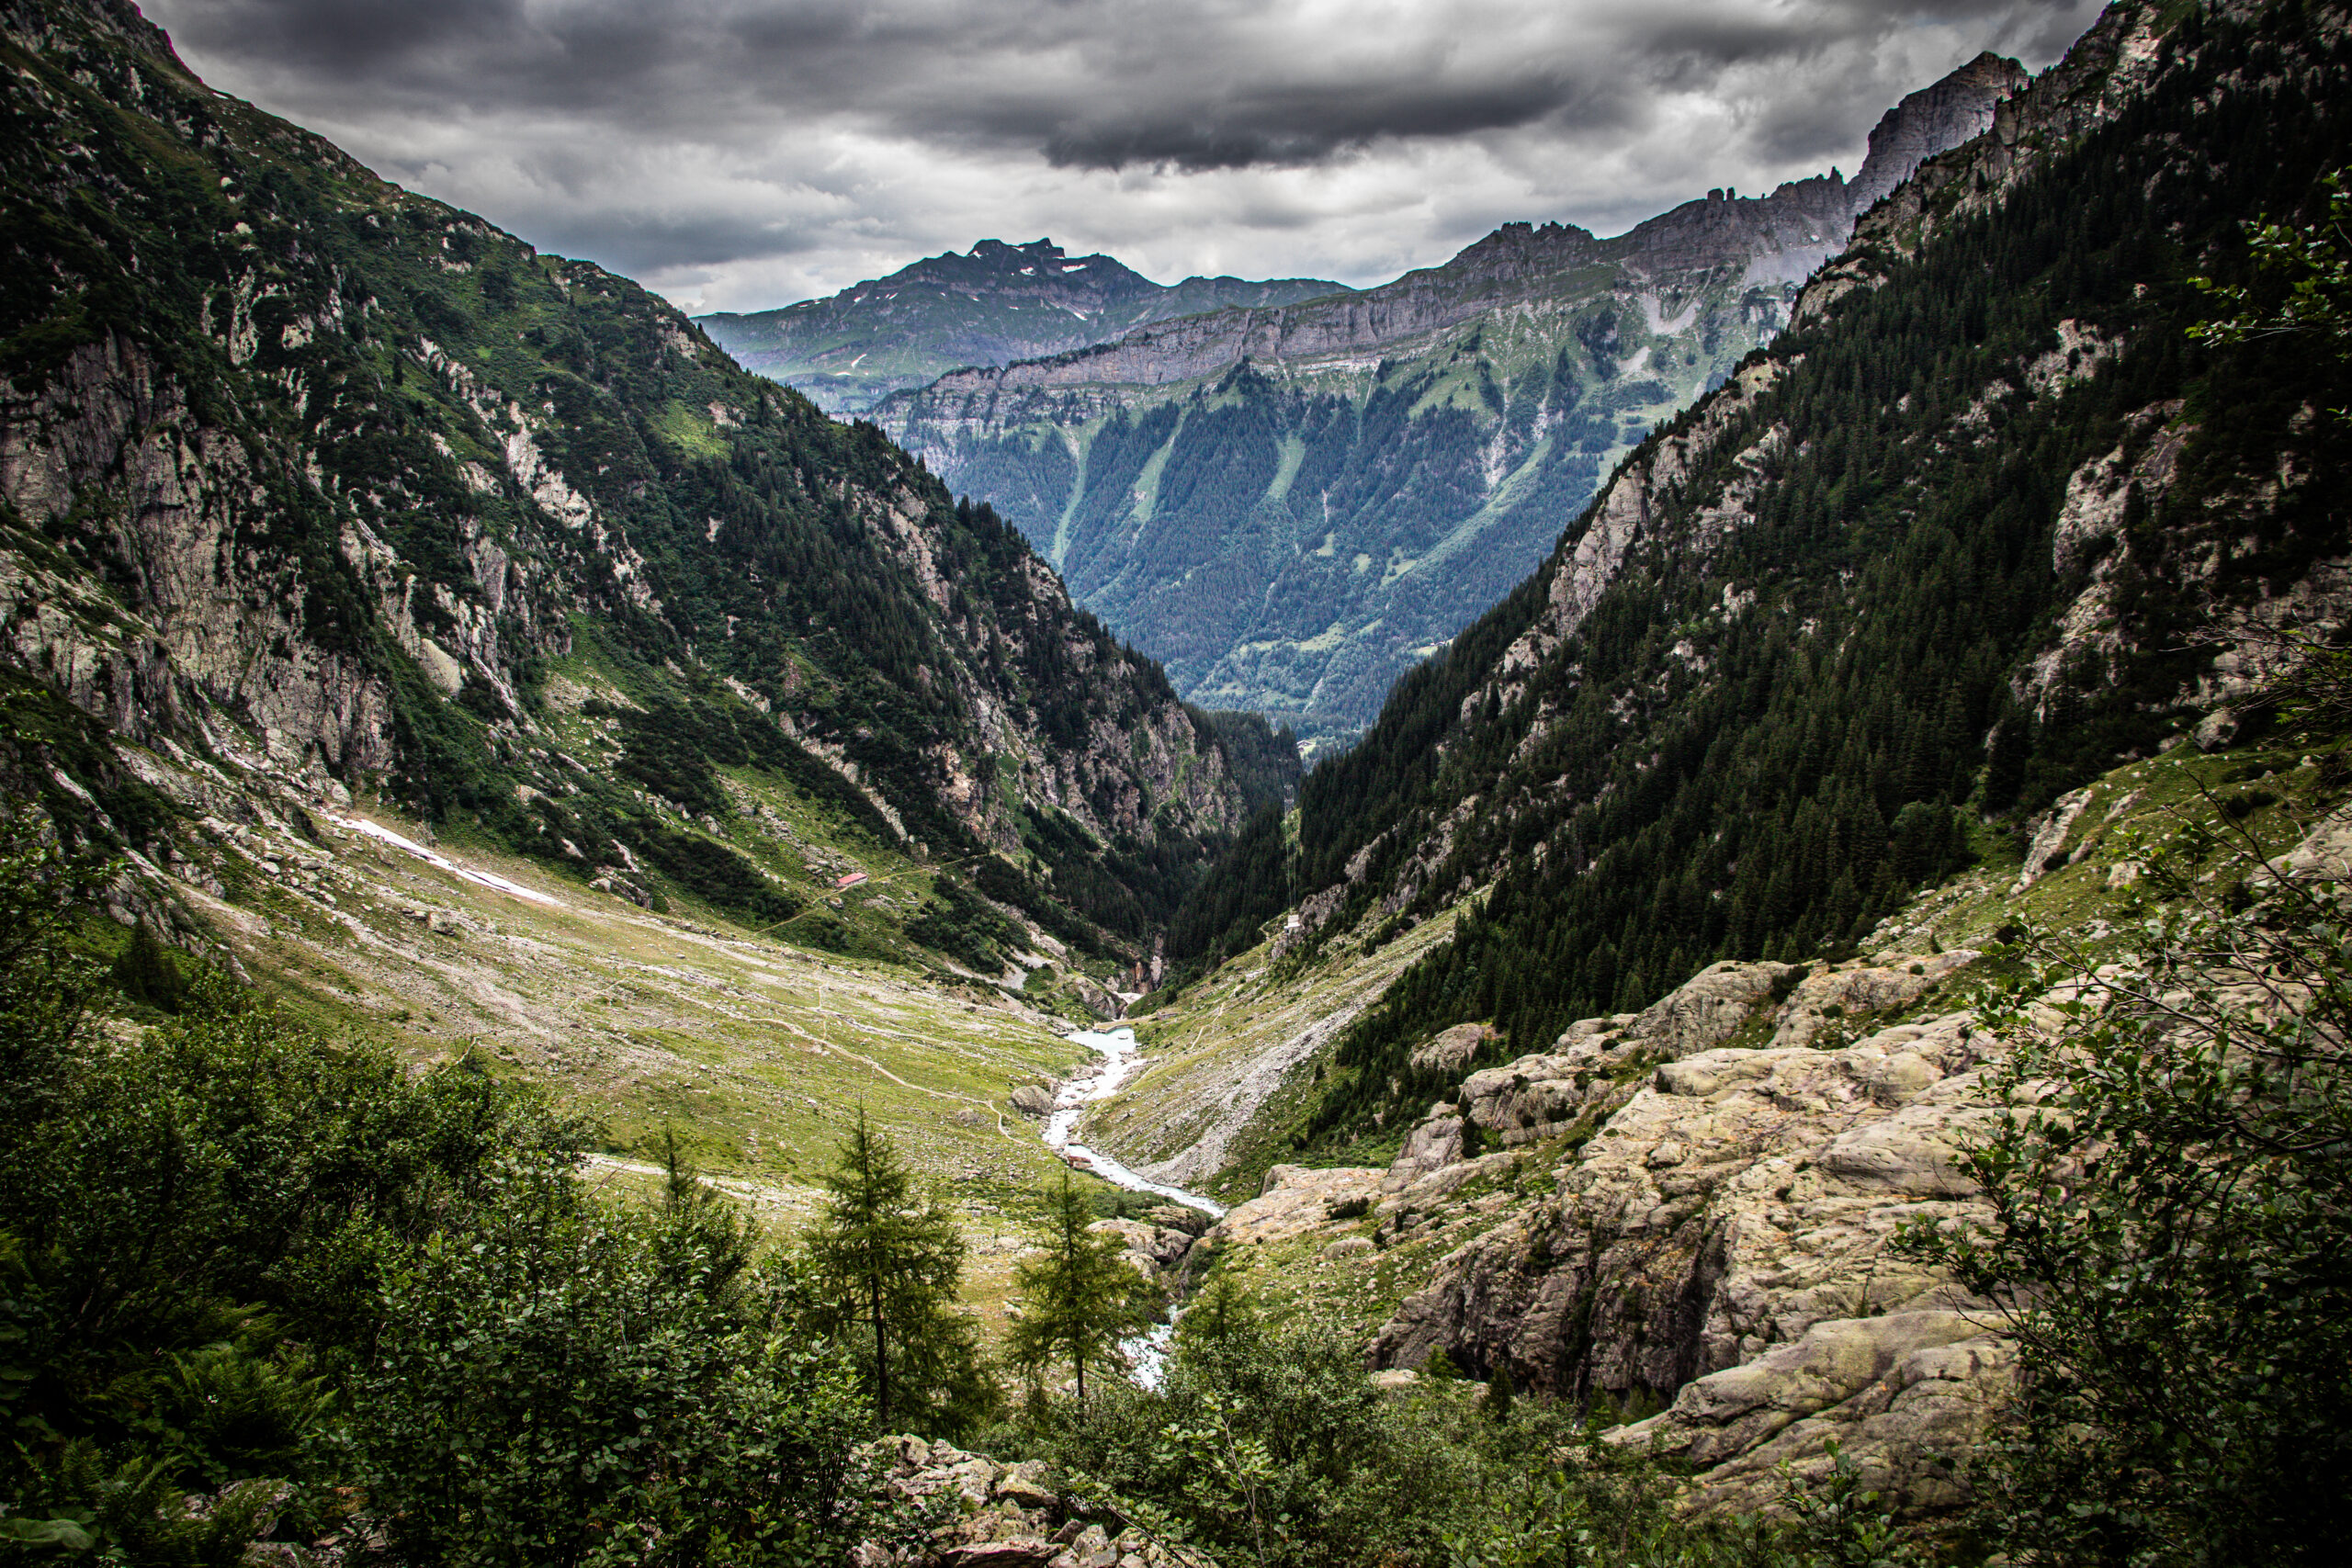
x,y
992,305
1518,250
1955,109
116,20
1040,269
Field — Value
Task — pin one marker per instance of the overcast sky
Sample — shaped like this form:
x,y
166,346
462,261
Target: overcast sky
x,y
737,154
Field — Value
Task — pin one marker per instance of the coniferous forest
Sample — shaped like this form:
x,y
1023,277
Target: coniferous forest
x,y
1687,781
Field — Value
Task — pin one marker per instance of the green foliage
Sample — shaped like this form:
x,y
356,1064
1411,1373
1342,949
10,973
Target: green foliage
x,y
1501,1392
883,1269
2170,1183
966,926
561,1383
1081,1297
2306,280
145,972
253,1281
1268,1444
1249,885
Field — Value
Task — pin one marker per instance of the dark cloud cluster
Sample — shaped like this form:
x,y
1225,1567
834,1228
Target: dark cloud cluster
x,y
728,145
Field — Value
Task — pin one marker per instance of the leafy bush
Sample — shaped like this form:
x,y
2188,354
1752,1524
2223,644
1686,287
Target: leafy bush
x,y
2171,1183
562,1383
253,1281
1268,1444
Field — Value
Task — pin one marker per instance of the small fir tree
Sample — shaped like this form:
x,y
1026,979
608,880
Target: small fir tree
x,y
1082,1297
1217,1313
887,1266
1501,1392
144,971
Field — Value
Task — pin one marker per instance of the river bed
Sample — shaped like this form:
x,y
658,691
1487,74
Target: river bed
x,y
1120,1055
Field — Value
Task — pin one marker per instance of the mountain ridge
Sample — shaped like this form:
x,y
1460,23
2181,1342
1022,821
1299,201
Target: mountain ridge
x,y
988,306
1462,413
296,464
1621,763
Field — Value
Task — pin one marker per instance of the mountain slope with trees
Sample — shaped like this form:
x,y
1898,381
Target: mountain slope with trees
x,y
297,467
1957,542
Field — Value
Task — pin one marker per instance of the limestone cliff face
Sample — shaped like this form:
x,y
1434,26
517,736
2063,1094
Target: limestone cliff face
x,y
288,453
2109,67
1951,113
1291,503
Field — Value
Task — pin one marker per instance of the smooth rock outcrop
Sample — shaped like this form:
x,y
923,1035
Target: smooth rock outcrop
x,y
1296,1199
1717,1226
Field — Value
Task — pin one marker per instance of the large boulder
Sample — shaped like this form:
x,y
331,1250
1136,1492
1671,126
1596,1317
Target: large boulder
x,y
1451,1051
1149,1248
1179,1217
1434,1144
1528,1100
1706,1009
1824,1000
1295,1199
1907,1395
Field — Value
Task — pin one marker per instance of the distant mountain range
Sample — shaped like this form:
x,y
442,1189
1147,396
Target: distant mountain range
x,y
995,305
1291,502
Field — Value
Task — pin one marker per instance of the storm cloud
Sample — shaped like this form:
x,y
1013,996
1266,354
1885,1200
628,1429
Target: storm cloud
x,y
741,153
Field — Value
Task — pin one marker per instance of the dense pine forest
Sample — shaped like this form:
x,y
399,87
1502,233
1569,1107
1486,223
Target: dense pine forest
x,y
1760,750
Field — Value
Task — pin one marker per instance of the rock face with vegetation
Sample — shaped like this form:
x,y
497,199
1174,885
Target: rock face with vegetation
x,y
996,304
294,463
1291,502
1718,1225
1999,513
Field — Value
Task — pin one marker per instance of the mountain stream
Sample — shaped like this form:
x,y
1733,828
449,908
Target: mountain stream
x,y
1120,1056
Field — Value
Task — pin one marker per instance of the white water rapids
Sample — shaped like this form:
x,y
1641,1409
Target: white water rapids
x,y
1120,1055
1085,1086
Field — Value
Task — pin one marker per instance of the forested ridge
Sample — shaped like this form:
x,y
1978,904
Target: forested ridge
x,y
1758,750
445,484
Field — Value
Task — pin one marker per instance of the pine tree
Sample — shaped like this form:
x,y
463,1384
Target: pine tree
x,y
1218,1313
887,1267
145,972
1500,1390
1081,1297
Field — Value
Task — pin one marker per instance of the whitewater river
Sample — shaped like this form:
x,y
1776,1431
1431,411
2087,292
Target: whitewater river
x,y
1120,1054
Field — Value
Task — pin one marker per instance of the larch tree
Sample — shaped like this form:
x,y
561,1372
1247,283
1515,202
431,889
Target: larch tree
x,y
886,1262
1081,1297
